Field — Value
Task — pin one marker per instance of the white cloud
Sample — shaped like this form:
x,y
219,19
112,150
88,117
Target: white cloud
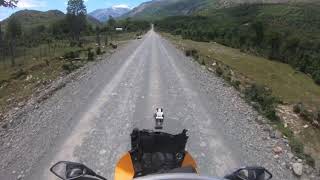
x,y
121,6
31,4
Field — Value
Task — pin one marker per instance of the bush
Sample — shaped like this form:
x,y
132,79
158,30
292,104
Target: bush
x,y
18,74
263,96
114,46
71,55
98,50
310,161
219,71
307,115
90,55
297,147
298,108
236,84
69,67
316,77
192,52
203,62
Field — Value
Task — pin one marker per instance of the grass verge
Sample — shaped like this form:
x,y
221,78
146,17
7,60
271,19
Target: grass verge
x,y
265,84
38,68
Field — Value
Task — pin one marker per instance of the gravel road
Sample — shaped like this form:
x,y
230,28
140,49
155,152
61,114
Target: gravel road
x,y
90,119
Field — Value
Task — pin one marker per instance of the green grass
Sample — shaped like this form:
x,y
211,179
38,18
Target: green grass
x,y
46,66
286,83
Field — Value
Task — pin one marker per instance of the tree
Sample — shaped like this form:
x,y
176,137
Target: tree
x,y
275,42
12,33
1,42
111,23
76,18
98,36
259,30
9,3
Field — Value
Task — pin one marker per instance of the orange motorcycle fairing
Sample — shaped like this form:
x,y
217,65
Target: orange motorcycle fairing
x,y
124,169
189,161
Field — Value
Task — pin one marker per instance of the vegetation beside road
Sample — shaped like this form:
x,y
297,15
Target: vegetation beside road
x,y
287,33
36,51
265,84
283,83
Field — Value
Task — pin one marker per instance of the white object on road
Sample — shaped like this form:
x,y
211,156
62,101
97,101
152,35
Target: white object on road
x,y
159,116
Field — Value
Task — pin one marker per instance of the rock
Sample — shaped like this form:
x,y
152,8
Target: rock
x,y
306,126
259,118
210,69
5,126
275,134
29,77
267,129
276,156
20,177
297,169
316,123
277,150
290,155
307,169
20,104
299,160
102,152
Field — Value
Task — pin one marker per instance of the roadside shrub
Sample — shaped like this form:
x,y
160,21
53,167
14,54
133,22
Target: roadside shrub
x,y
19,73
203,62
73,43
236,84
69,67
298,108
227,77
316,77
263,96
297,147
98,50
219,71
192,52
317,117
309,160
71,55
307,115
114,46
90,55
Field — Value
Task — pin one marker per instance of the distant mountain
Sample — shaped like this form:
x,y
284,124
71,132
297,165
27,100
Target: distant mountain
x,y
103,14
156,9
32,18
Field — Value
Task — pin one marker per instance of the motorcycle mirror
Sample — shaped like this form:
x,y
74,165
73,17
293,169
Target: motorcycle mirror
x,y
253,173
69,170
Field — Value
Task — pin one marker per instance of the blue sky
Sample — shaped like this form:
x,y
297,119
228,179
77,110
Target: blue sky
x,y
44,5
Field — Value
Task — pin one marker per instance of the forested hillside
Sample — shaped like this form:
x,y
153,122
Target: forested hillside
x,y
282,32
157,9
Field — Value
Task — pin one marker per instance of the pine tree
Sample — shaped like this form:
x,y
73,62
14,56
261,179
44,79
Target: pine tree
x,y
13,32
76,18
